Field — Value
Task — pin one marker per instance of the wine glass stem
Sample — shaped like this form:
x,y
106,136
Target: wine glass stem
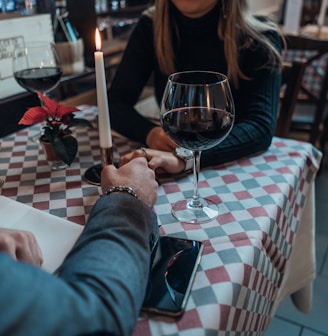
x,y
37,137
195,202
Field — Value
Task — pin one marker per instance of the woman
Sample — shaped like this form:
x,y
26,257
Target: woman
x,y
214,35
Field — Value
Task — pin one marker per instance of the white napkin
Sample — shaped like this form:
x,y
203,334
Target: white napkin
x,y
55,235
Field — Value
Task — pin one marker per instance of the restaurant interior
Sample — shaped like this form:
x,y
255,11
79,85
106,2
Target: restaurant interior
x,y
303,108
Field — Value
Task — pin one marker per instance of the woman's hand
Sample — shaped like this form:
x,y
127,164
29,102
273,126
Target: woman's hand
x,y
158,139
160,161
21,245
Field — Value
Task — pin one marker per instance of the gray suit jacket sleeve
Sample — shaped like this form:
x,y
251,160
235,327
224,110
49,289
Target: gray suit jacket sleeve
x,y
101,284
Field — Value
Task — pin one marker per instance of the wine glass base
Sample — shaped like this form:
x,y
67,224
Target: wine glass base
x,y
93,174
57,165
36,138
204,212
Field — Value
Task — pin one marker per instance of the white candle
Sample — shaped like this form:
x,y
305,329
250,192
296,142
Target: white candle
x,y
322,13
105,136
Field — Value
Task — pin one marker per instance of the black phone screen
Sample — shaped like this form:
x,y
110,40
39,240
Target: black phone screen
x,y
174,265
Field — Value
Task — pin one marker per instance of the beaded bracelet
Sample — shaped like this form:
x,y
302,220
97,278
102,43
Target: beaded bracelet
x,y
126,189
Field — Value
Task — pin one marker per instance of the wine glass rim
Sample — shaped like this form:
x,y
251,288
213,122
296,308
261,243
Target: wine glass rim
x,y
220,77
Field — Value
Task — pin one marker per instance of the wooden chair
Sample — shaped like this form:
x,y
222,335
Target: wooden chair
x,y
292,74
312,49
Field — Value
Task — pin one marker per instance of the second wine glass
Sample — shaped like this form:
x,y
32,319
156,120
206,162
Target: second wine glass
x,y
197,113
36,66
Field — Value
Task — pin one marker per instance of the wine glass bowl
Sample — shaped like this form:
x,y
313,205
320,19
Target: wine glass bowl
x,y
36,66
197,113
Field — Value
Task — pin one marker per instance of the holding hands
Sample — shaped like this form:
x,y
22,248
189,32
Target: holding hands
x,y
132,174
159,161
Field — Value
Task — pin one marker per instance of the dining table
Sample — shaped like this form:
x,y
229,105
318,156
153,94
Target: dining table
x,y
257,252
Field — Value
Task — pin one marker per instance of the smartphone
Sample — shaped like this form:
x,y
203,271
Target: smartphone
x,y
174,266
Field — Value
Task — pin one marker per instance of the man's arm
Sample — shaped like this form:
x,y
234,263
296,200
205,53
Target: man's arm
x,y
102,282
105,277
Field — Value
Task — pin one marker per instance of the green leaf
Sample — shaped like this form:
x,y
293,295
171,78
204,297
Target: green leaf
x,y
50,135
66,148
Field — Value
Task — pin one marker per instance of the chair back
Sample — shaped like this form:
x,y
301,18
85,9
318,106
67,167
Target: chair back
x,y
292,74
314,86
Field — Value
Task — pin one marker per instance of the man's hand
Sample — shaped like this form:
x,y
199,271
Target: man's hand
x,y
135,174
21,246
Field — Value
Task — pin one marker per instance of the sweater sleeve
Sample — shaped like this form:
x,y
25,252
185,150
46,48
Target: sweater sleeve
x,y
102,282
131,76
256,108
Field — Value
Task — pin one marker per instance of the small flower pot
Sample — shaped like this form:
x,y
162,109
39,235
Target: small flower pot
x,y
54,161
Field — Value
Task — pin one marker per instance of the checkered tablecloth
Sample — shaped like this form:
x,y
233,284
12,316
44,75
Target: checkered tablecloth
x,y
246,249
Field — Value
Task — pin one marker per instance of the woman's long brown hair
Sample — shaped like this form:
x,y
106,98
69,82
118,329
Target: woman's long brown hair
x,y
236,24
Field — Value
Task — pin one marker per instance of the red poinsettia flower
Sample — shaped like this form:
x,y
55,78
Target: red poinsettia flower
x,y
59,119
50,110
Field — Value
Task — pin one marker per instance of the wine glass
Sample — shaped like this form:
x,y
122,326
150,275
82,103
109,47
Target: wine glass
x,y
197,113
36,66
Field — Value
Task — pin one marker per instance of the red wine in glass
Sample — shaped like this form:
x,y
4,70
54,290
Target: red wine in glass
x,y
38,79
36,66
197,128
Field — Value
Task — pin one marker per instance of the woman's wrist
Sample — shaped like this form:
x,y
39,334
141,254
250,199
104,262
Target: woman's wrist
x,y
186,156
149,138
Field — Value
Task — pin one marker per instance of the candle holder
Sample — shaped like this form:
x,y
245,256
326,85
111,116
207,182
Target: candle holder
x,y
93,174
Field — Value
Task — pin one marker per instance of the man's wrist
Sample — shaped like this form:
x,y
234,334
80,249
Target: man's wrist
x,y
122,189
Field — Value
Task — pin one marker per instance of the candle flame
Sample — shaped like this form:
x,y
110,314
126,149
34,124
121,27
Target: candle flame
x,y
98,40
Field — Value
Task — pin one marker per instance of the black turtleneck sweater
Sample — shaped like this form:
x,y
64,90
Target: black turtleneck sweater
x,y
199,48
